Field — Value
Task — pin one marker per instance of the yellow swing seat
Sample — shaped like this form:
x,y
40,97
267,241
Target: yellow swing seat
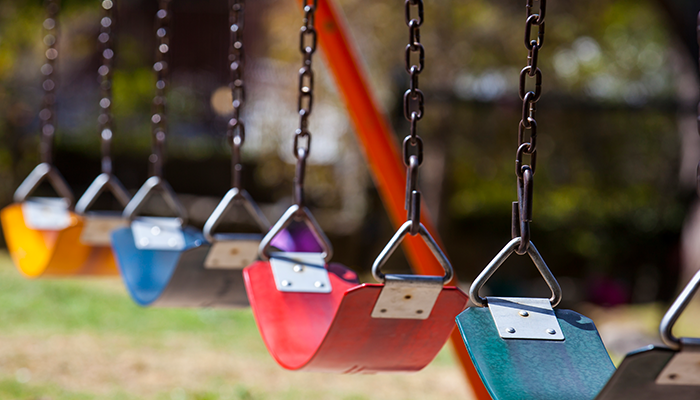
x,y
46,251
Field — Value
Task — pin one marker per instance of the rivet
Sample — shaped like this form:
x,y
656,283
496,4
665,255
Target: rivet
x,y
382,310
172,242
286,283
419,311
234,251
155,231
524,313
672,376
318,284
144,242
510,330
551,331
298,268
407,297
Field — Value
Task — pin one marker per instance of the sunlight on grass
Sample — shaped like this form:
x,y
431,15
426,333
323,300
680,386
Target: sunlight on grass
x,y
75,339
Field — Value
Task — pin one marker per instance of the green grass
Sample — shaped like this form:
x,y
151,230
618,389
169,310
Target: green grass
x,y
79,339
68,306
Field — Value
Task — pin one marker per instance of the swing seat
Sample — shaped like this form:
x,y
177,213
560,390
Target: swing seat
x,y
53,252
524,349
335,332
576,368
45,237
315,316
194,273
656,372
176,278
191,277
639,377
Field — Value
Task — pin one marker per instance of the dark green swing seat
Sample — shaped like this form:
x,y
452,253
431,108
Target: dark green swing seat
x,y
575,368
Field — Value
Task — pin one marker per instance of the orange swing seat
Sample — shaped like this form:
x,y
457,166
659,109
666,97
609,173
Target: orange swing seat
x,y
45,237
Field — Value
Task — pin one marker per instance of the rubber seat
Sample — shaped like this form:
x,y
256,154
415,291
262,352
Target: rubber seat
x,y
47,242
557,355
336,331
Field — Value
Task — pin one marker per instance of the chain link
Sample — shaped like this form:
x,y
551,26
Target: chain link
x,y
308,41
47,115
413,110
236,127
161,69
105,72
522,209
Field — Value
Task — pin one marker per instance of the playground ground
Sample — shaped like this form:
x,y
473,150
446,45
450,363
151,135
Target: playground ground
x,y
85,339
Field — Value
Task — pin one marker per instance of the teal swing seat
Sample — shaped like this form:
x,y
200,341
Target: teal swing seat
x,y
524,349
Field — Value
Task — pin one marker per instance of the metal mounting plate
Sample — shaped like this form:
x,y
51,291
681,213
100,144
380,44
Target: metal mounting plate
x,y
98,228
524,318
233,253
46,213
682,369
407,297
158,233
300,272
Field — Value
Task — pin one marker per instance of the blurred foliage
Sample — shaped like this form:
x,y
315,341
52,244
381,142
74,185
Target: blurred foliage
x,y
607,185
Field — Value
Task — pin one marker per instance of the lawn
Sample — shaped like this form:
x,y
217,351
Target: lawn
x,y
84,339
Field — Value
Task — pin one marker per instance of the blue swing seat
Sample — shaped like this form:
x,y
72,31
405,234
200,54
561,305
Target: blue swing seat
x,y
176,278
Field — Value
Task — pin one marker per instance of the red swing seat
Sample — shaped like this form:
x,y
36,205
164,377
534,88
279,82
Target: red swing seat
x,y
335,331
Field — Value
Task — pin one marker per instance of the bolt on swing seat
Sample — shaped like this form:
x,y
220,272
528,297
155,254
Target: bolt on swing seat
x,y
524,349
658,372
315,316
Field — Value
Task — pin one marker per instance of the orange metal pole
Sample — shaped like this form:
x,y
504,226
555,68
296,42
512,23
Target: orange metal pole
x,y
381,151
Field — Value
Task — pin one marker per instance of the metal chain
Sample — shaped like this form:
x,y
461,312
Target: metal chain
x,y
236,127
522,209
308,40
161,68
105,72
413,107
47,115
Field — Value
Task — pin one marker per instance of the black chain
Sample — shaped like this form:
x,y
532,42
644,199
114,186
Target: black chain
x,y
522,209
105,72
308,40
161,68
236,127
413,108
47,115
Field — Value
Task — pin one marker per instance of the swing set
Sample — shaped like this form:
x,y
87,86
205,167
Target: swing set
x,y
313,314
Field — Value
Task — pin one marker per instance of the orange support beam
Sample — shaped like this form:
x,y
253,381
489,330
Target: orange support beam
x,y
382,153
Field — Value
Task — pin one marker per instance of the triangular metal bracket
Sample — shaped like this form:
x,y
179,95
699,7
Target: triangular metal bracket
x,y
674,312
500,258
102,182
148,189
396,240
234,197
37,176
298,213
